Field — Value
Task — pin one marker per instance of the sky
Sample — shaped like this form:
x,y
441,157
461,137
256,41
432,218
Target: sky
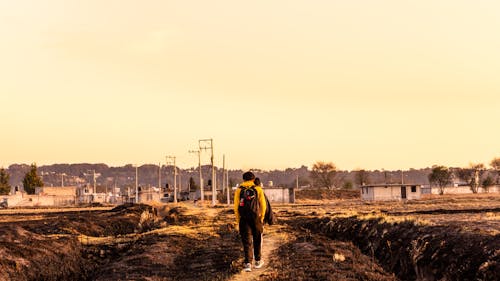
x,y
276,84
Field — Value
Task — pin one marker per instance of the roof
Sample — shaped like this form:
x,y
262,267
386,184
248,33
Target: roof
x,y
392,185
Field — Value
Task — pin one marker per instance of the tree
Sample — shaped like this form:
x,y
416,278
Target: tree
x,y
441,176
362,177
472,175
32,180
323,174
4,182
487,183
347,185
495,164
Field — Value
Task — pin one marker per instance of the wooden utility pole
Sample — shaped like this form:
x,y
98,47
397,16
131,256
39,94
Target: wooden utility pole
x,y
225,185
136,183
159,176
175,175
211,147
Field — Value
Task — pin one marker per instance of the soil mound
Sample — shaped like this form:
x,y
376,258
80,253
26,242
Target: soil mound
x,y
50,248
417,252
181,216
312,257
31,256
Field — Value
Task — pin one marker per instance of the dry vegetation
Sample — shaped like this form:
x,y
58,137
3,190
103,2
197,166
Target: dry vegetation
x,y
325,236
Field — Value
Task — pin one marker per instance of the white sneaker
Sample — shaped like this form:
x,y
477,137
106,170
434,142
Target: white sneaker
x,y
259,264
247,267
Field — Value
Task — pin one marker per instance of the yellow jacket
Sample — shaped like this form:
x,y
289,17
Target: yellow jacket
x,y
260,196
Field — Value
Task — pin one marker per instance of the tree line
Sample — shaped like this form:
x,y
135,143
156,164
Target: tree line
x,y
475,176
321,175
31,180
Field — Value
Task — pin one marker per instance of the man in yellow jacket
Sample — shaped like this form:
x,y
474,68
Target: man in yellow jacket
x,y
250,209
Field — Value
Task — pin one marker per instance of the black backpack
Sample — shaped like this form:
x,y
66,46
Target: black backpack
x,y
249,206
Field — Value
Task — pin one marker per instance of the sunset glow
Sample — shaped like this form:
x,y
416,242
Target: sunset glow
x,y
276,84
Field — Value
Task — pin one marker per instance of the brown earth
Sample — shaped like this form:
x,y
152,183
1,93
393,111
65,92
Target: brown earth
x,y
329,239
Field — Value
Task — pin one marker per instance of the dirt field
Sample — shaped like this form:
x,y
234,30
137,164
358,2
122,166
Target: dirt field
x,y
319,238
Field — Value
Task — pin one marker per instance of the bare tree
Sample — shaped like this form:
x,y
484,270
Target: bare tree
x,y
441,176
323,174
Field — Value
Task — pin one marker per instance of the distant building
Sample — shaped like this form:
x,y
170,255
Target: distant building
x,y
149,194
60,196
280,194
44,196
391,192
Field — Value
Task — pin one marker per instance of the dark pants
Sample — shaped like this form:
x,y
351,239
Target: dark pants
x,y
251,237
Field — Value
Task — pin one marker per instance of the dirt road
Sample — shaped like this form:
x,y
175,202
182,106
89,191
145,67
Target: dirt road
x,y
272,239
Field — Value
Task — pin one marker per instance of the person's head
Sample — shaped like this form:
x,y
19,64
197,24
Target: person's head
x,y
248,176
257,182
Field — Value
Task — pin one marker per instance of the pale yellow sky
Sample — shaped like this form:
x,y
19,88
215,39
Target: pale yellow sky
x,y
364,84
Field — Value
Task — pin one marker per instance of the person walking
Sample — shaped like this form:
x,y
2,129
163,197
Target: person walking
x,y
250,209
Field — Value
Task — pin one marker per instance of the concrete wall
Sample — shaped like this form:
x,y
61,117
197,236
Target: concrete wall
x,y
367,193
413,195
149,196
24,200
280,195
464,190
58,191
390,192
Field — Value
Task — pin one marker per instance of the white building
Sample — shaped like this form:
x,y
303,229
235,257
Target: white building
x,y
391,192
280,194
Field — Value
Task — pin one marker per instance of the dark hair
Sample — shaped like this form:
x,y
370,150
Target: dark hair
x,y
256,181
248,176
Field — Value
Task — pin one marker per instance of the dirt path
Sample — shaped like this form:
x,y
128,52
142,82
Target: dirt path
x,y
272,239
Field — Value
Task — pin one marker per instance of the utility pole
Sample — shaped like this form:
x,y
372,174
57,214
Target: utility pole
x,y
225,185
211,147
93,177
228,187
169,160
62,179
199,170
136,184
159,176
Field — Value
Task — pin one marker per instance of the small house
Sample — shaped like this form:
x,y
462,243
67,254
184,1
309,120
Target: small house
x,y
391,192
280,194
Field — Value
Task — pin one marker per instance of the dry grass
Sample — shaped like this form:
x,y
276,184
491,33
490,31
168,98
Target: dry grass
x,y
189,240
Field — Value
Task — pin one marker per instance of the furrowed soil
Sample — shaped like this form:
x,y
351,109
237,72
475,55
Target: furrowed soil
x,y
330,238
